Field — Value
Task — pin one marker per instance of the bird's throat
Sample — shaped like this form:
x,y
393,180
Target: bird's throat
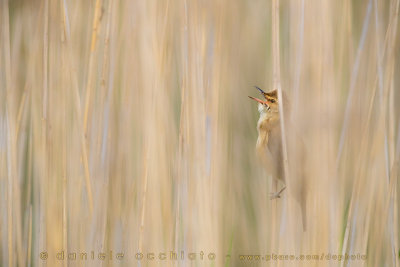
x,y
267,121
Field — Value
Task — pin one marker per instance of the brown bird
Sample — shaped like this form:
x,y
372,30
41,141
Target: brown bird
x,y
269,146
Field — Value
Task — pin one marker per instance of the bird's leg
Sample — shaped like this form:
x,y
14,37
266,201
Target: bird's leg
x,y
269,163
270,166
279,176
276,194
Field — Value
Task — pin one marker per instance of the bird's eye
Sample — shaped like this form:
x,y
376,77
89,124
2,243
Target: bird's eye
x,y
272,100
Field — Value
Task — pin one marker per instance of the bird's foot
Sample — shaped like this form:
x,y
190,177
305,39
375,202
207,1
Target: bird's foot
x,y
276,194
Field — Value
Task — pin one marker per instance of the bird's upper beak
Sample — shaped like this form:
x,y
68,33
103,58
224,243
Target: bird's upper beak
x,y
259,89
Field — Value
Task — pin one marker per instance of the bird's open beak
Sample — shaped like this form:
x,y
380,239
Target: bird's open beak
x,y
258,100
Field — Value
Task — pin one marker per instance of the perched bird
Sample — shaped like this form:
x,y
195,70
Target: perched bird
x,y
269,141
269,146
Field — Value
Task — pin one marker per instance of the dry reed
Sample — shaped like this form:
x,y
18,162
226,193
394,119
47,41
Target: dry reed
x,y
125,126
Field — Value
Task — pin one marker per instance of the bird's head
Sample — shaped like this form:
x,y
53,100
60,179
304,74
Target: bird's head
x,y
270,104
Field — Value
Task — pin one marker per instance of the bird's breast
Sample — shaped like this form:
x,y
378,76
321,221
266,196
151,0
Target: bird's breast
x,y
267,122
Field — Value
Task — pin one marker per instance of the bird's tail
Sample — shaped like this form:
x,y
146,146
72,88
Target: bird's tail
x,y
303,206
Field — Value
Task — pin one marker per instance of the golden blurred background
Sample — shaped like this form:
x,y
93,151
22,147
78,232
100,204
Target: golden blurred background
x,y
125,126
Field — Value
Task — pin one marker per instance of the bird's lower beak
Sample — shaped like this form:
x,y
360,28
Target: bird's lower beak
x,y
258,100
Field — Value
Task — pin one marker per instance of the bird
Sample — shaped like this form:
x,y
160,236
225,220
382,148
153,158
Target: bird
x,y
269,146
269,141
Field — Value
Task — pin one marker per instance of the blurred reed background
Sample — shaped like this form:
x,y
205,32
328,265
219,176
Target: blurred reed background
x,y
125,126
